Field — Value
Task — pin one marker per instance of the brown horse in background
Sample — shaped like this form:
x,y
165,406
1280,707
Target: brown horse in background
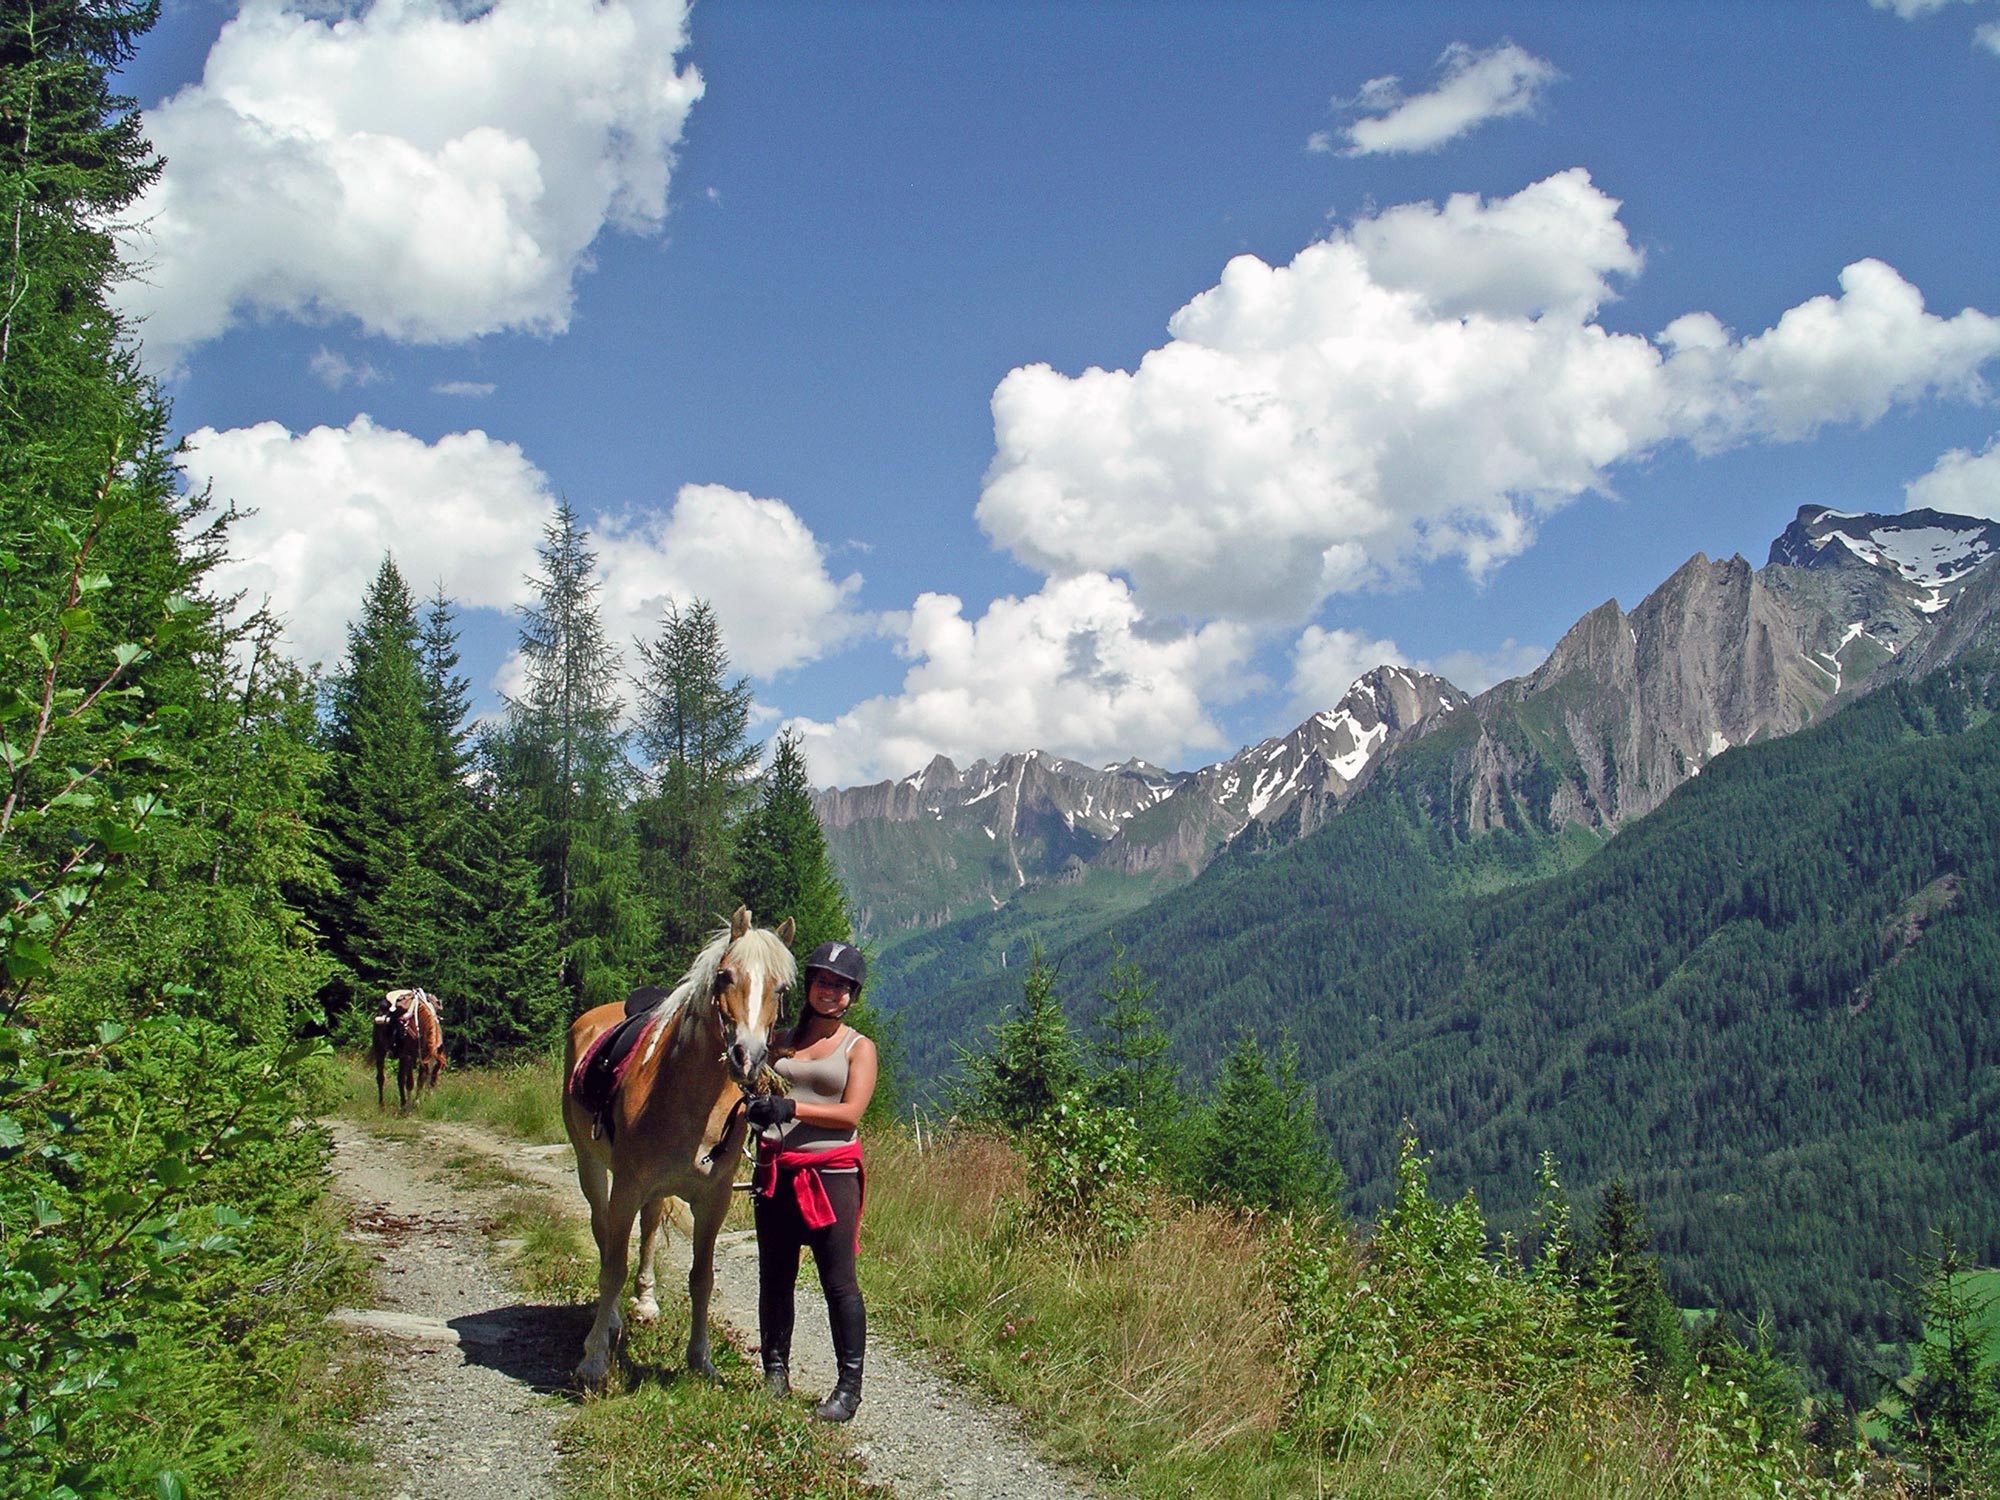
x,y
407,1027
675,1129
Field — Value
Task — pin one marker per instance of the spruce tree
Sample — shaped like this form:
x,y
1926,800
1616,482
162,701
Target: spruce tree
x,y
1622,1264
1261,1146
1946,1412
387,802
158,773
447,694
497,974
1031,1060
782,854
1133,1070
692,729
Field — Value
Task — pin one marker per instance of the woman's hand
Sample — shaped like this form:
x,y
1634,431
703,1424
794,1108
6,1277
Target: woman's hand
x,y
768,1109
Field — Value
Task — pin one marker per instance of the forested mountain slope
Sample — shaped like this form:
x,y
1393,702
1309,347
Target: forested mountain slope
x,y
1772,1006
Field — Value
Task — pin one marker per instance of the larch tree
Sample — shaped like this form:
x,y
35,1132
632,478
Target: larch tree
x,y
563,758
698,766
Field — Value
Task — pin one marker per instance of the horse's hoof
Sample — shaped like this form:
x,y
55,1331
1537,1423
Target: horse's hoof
x,y
703,1367
646,1312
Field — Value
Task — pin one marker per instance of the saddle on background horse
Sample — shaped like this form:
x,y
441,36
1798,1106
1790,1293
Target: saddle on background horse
x,y
593,1083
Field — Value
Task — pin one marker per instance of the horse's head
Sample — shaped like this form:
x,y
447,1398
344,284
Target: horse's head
x,y
749,992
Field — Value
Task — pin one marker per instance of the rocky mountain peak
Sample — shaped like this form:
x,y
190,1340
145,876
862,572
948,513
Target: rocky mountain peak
x,y
1934,553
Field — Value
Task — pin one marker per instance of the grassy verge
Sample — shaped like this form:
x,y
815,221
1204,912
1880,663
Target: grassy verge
x,y
320,1385
1192,1364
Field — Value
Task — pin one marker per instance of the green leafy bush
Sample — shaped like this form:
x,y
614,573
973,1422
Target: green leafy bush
x,y
1088,1178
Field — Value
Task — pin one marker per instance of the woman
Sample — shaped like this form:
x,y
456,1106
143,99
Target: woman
x,y
809,1184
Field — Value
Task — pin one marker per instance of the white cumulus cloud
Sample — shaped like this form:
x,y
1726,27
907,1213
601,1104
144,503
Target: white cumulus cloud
x,y
1830,359
469,511
1075,669
432,171
1428,383
754,561
1473,87
326,505
1326,663
1962,483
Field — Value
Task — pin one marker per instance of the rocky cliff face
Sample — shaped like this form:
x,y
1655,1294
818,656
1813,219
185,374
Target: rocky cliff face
x,y
1628,706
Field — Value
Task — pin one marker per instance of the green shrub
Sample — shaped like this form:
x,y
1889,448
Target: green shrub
x,y
1088,1179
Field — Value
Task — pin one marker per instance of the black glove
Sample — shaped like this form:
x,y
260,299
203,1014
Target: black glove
x,y
768,1109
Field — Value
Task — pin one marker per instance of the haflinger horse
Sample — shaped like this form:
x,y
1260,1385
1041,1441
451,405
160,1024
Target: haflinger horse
x,y
407,1028
674,1128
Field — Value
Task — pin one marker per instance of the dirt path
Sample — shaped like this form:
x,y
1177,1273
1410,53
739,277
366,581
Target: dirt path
x,y
477,1375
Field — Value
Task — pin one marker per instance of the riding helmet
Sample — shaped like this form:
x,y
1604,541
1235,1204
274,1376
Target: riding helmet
x,y
842,960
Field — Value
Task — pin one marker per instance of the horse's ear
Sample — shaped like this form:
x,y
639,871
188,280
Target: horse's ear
x,y
740,923
785,931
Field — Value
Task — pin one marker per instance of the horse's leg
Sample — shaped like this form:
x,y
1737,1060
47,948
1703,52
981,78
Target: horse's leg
x,y
404,1084
381,1078
709,1209
645,1305
613,1250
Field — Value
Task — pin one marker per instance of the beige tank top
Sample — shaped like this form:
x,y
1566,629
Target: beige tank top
x,y
815,1080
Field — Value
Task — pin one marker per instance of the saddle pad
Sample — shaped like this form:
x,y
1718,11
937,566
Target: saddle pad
x,y
594,1081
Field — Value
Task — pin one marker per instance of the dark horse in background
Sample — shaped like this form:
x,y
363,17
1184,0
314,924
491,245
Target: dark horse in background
x,y
407,1028
672,1129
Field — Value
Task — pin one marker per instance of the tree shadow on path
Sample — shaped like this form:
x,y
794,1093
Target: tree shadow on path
x,y
536,1343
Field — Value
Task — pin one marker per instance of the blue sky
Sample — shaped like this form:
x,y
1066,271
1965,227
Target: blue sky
x,y
1109,379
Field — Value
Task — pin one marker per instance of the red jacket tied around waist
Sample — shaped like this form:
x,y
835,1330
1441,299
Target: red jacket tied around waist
x,y
805,1167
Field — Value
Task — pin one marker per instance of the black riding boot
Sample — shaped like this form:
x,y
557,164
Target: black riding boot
x,y
777,1348
777,1371
849,1317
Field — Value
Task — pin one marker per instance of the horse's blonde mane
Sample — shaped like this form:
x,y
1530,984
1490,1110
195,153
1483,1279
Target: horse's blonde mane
x,y
759,945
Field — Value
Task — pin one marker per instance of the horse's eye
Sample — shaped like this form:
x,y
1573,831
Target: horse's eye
x,y
723,980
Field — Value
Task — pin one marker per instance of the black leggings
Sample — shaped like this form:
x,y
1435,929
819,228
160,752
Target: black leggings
x,y
782,1233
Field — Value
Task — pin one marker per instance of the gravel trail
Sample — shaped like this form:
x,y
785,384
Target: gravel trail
x,y
478,1376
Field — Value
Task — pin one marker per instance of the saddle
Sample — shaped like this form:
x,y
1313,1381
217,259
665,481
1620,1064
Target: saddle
x,y
594,1081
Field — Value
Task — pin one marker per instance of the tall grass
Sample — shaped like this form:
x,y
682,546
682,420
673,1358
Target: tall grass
x,y
1220,1356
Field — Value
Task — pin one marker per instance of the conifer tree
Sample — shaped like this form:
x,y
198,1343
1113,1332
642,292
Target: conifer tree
x,y
154,795
1947,1411
1031,1061
563,759
1133,1070
699,764
1262,1147
387,801
497,974
782,853
1622,1264
447,694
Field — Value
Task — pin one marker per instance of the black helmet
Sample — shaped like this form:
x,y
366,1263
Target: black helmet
x,y
842,960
